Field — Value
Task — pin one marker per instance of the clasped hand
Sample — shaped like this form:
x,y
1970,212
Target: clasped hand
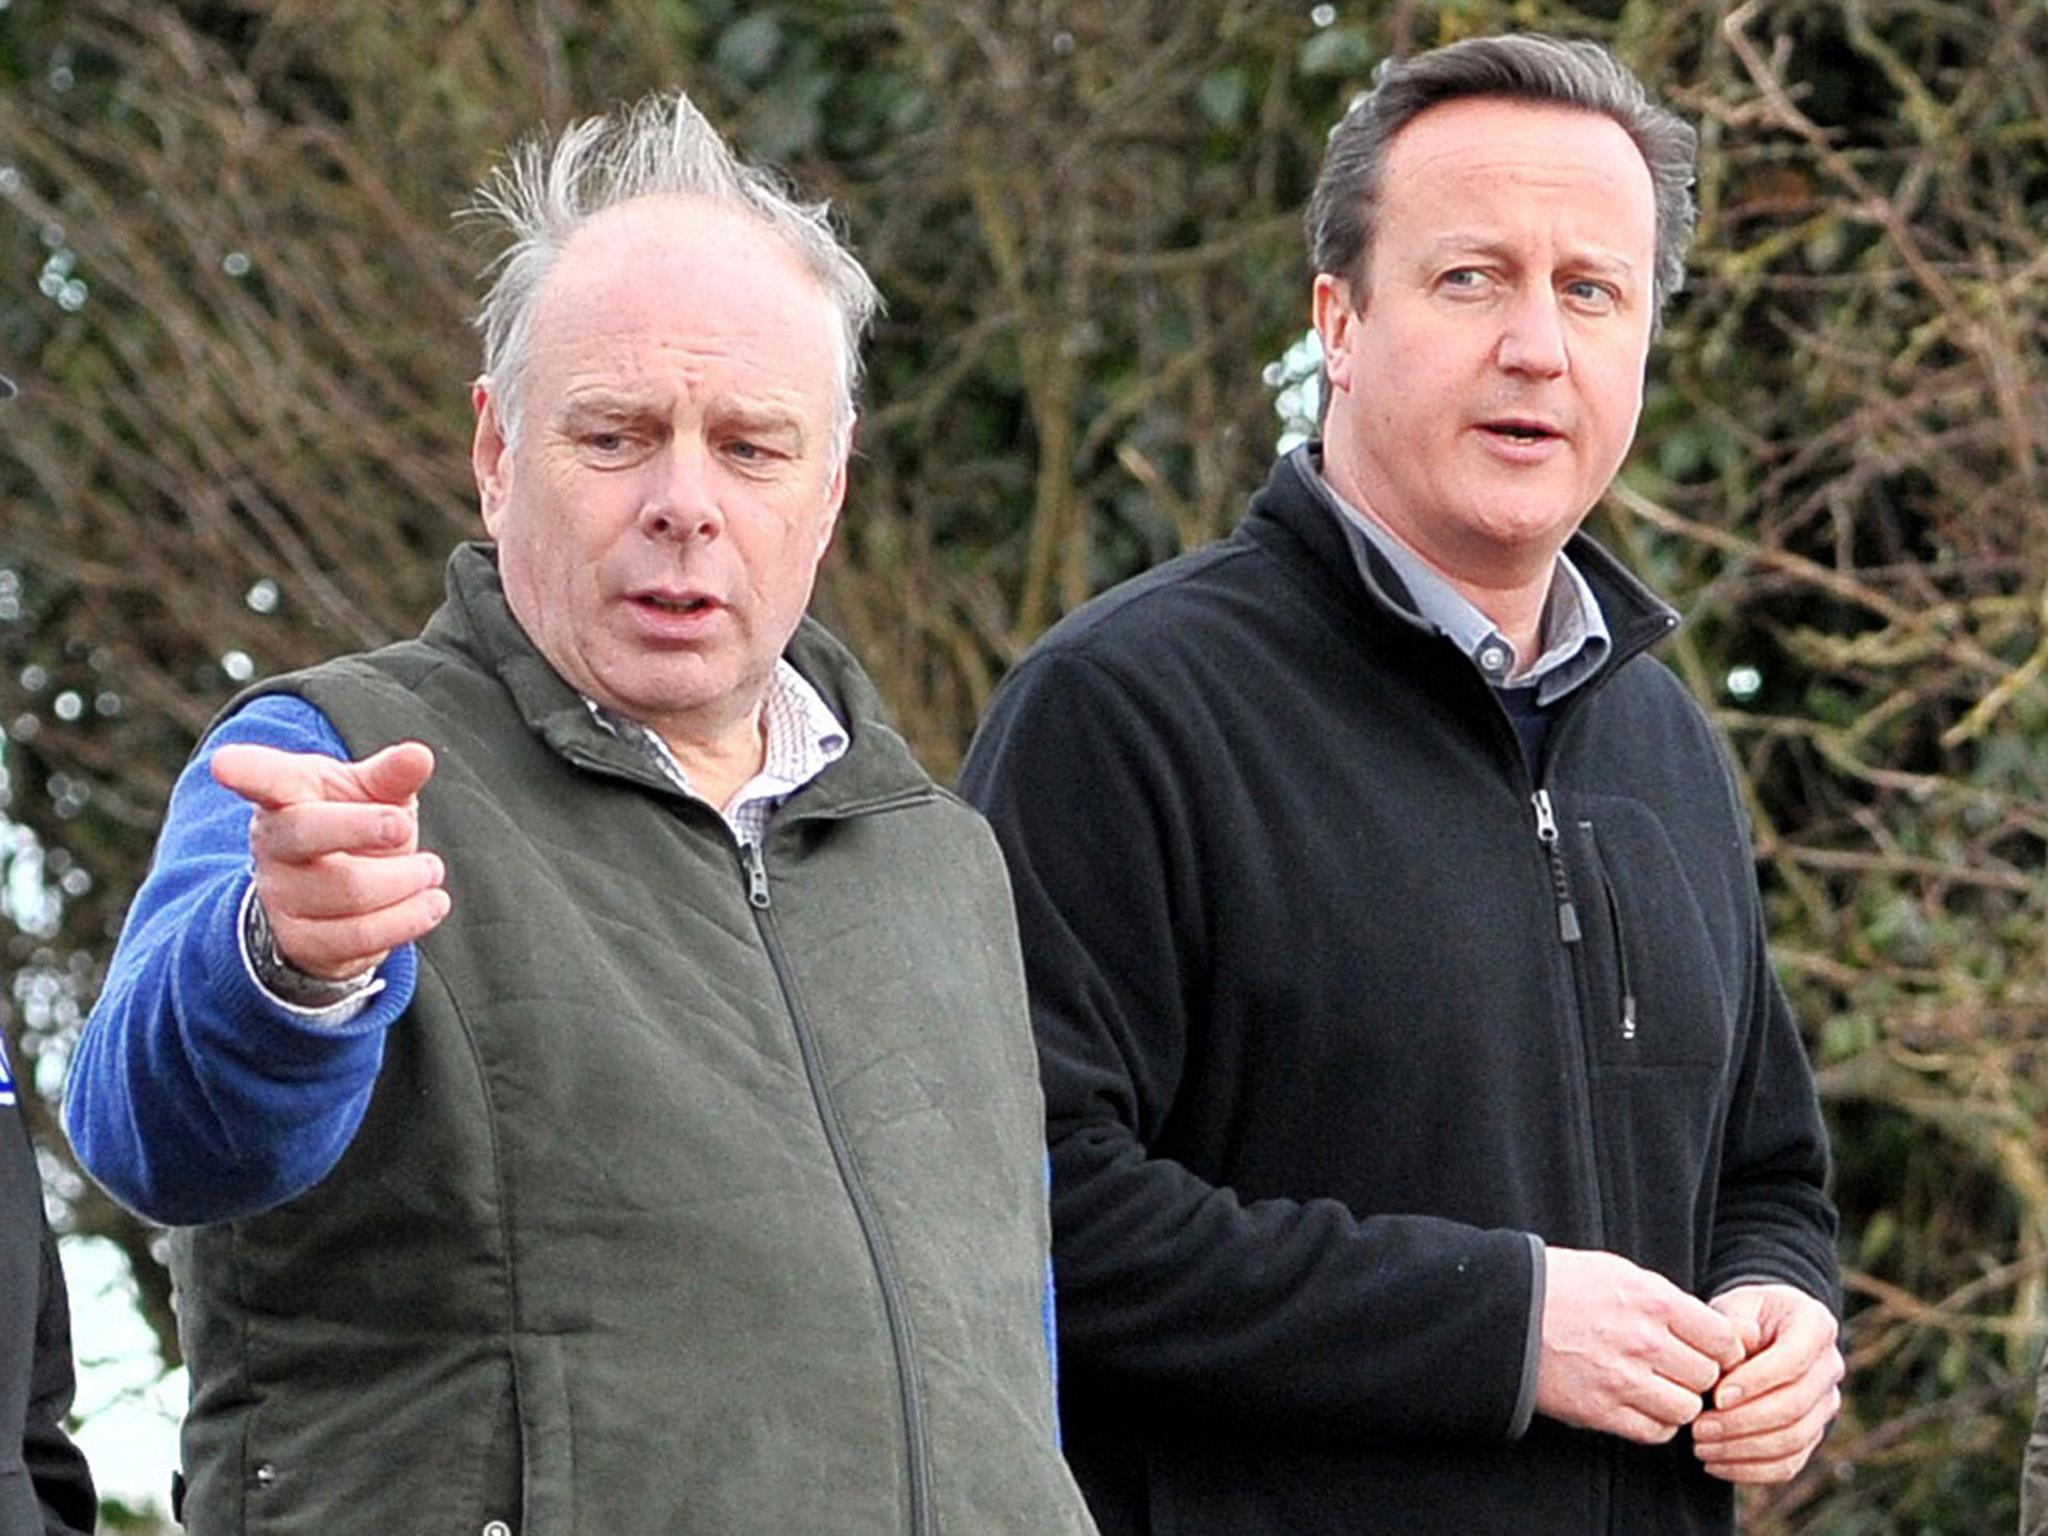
x,y
1756,1372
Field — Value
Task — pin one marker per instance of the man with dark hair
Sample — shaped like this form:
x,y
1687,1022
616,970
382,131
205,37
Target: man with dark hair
x,y
585,1055
1433,1148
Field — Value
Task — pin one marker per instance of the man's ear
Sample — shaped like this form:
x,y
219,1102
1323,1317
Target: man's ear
x,y
490,457
1336,323
835,497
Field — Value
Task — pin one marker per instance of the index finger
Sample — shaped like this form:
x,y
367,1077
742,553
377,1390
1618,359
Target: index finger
x,y
274,779
1695,1323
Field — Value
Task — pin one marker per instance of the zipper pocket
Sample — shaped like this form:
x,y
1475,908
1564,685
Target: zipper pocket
x,y
1615,929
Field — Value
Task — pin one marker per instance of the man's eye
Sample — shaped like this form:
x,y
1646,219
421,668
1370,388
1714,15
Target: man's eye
x,y
1464,279
1595,295
607,442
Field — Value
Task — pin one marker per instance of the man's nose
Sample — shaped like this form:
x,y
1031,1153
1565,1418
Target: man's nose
x,y
681,500
1532,341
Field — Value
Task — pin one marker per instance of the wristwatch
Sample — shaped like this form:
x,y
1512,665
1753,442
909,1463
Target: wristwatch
x,y
283,980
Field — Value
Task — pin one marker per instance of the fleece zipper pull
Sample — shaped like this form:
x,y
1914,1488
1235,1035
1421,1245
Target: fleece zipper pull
x,y
1560,881
757,874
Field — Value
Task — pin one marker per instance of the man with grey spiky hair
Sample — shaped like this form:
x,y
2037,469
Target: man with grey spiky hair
x,y
1433,1150
583,1055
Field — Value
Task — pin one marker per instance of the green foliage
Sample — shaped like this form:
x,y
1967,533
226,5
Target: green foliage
x,y
117,1515
244,444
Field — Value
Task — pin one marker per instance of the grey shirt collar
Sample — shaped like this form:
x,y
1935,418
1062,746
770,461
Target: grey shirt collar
x,y
1576,641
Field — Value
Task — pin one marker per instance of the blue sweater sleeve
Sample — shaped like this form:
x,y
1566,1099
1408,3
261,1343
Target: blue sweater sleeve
x,y
193,1096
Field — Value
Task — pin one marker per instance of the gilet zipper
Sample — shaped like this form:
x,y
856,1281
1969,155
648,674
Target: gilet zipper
x,y
895,1308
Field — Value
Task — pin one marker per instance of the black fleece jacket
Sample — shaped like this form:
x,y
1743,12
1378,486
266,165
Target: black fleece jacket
x,y
1330,1023
45,1489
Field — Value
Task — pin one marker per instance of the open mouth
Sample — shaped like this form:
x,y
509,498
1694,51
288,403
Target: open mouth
x,y
663,604
1520,431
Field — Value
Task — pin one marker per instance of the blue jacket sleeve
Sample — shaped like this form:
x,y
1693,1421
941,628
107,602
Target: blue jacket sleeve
x,y
193,1096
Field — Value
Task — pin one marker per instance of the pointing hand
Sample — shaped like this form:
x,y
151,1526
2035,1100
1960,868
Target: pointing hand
x,y
336,849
